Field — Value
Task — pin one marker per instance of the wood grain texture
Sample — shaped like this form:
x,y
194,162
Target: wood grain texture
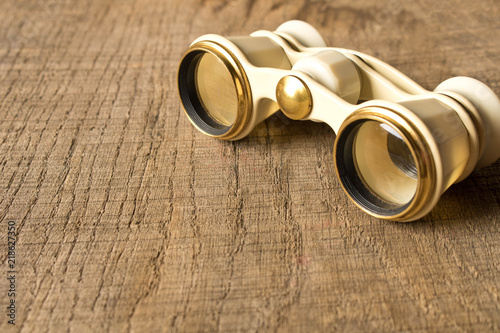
x,y
129,219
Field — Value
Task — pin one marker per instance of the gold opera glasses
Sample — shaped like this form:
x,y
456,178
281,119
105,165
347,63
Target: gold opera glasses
x,y
398,146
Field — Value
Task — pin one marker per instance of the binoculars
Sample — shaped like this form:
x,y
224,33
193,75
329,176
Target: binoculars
x,y
398,146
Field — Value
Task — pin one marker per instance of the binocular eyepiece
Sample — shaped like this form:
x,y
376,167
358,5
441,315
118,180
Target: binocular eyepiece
x,y
398,146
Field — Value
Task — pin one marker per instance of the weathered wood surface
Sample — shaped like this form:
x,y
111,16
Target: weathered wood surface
x,y
129,219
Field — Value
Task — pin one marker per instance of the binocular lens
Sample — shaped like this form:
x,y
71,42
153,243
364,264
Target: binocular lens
x,y
213,91
216,90
377,168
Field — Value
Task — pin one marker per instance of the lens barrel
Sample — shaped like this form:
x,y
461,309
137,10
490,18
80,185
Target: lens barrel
x,y
213,90
373,173
384,164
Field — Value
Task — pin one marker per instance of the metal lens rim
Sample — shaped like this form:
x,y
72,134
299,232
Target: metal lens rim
x,y
352,182
190,98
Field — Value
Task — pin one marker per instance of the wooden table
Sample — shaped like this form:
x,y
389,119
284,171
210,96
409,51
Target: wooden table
x,y
128,219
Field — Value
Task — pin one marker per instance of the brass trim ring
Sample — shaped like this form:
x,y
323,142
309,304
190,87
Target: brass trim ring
x,y
188,93
367,200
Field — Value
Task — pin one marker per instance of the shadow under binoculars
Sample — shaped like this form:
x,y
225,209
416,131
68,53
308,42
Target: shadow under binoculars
x,y
386,157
